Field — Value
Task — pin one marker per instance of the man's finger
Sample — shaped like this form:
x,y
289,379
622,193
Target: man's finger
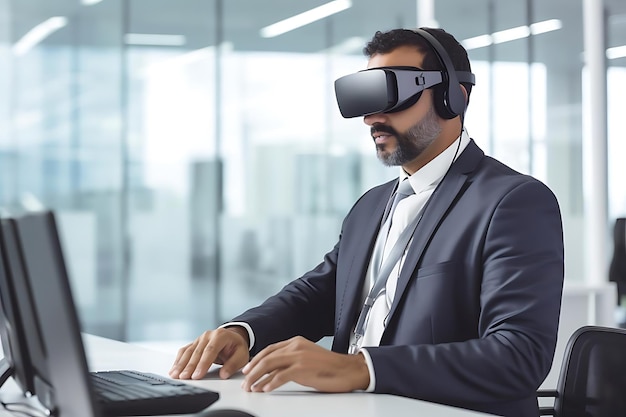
x,y
234,363
263,354
202,358
182,357
272,362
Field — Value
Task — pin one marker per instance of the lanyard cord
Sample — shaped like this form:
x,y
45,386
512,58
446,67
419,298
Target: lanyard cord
x,y
383,275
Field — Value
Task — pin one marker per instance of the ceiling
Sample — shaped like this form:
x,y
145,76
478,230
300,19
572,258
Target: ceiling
x,y
103,24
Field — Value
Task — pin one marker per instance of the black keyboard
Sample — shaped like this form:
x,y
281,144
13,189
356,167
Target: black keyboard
x,y
122,393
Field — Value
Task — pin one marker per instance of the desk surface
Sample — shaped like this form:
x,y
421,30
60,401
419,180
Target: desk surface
x,y
290,400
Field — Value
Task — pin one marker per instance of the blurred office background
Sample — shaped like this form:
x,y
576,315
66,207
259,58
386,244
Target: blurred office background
x,y
197,160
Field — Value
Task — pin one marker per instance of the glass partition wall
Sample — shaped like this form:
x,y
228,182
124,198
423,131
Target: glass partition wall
x,y
195,155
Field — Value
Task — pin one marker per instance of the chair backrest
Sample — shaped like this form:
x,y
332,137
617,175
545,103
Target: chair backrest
x,y
592,382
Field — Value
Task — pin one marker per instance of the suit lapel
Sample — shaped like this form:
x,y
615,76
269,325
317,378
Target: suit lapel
x,y
361,253
435,211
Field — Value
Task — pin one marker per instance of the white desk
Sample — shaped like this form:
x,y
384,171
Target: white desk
x,y
291,400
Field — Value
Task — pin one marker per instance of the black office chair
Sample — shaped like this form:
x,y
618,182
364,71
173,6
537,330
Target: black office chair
x,y
592,381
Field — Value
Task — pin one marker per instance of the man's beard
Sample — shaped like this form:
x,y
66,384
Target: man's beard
x,y
411,144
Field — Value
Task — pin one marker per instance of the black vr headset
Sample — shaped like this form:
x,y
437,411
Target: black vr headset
x,y
392,89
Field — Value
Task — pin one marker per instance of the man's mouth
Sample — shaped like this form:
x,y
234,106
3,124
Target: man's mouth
x,y
381,137
382,133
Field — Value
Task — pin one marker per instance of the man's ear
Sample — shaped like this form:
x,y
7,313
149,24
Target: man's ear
x,y
465,94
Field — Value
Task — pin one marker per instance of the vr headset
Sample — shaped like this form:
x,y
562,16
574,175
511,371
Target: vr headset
x,y
392,89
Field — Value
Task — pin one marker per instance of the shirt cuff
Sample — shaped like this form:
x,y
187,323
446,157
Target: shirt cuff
x,y
370,368
245,326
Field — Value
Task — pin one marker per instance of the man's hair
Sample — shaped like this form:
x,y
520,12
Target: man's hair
x,y
385,42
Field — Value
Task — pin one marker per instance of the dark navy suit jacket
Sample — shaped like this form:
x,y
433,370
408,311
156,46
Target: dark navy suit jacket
x,y
475,315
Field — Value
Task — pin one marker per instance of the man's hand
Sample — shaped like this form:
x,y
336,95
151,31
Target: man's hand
x,y
224,346
306,363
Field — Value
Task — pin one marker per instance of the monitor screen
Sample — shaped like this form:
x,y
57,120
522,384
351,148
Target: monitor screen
x,y
56,313
16,362
21,335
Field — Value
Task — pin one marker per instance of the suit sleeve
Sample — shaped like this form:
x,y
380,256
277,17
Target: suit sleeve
x,y
520,296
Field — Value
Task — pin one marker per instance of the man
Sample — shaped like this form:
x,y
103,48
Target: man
x,y
466,311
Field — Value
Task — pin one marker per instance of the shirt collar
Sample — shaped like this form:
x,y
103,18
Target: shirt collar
x,y
431,174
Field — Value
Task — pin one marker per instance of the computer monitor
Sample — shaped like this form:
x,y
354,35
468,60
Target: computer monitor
x,y
75,391
24,355
45,270
16,362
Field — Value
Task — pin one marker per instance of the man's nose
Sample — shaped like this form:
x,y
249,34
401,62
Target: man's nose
x,y
376,118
